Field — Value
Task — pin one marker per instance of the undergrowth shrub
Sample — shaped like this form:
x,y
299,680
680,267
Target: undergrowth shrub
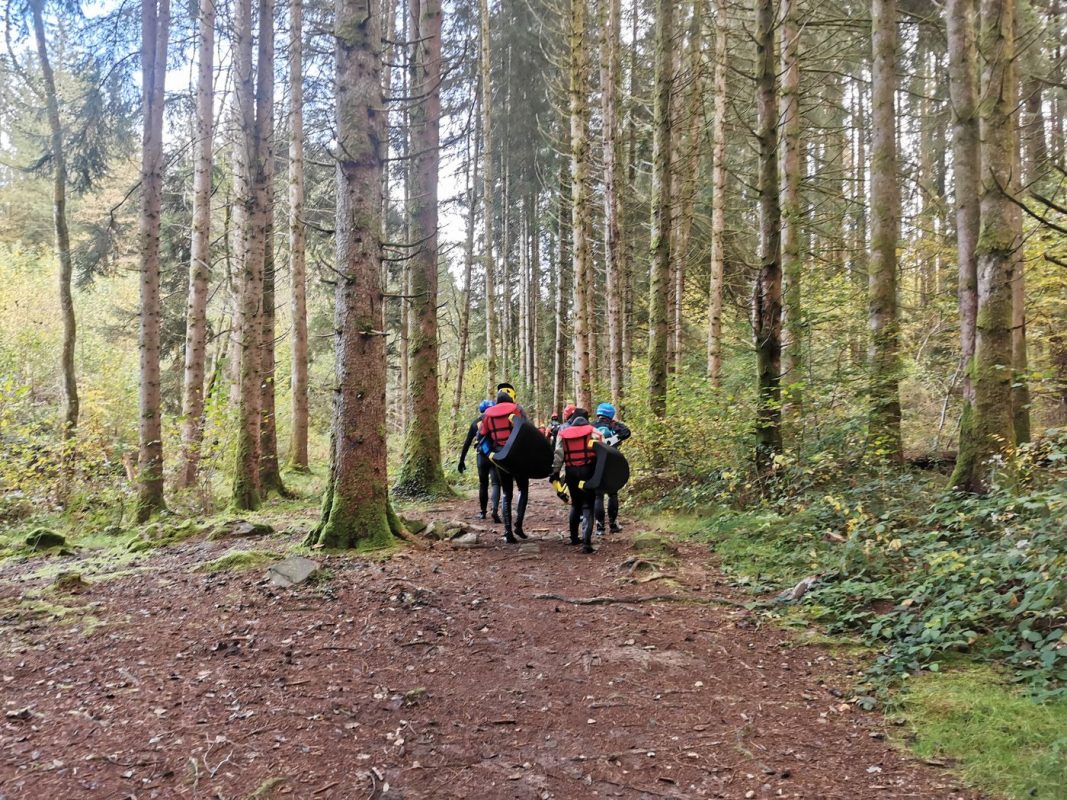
x,y
916,570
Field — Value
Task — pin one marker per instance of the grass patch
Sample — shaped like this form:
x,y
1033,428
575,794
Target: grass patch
x,y
237,560
1005,742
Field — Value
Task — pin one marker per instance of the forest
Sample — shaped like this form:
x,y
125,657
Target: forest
x,y
267,269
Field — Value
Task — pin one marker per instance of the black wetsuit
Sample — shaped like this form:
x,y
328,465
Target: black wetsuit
x,y
486,472
508,482
610,499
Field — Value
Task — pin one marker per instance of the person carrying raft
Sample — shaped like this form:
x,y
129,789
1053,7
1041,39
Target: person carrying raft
x,y
495,429
486,472
614,433
574,452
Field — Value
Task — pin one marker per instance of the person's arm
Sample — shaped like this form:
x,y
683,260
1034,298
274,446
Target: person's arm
x,y
471,433
557,458
622,432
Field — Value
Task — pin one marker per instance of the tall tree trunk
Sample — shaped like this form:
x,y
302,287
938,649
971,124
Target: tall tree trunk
x,y
298,435
412,9
988,429
581,210
661,212
155,29
963,65
1020,385
200,253
563,290
59,221
610,77
485,66
470,171
688,169
421,474
247,489
356,509
718,197
792,209
768,295
859,263
270,474
884,419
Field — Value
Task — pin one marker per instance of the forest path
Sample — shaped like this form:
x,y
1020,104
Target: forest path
x,y
436,674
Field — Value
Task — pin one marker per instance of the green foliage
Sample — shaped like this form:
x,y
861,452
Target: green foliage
x,y
918,572
1007,743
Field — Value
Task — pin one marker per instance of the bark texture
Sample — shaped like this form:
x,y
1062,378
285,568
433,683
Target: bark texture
x,y
298,436
155,30
60,225
485,66
199,252
356,510
884,389
767,305
792,208
987,434
614,182
581,206
963,77
661,212
421,474
718,196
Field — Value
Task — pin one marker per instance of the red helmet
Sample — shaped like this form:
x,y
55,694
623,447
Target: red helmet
x,y
569,409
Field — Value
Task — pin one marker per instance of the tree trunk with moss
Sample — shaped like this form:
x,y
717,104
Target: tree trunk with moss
x,y
421,474
767,302
1020,368
470,171
884,388
155,28
356,511
988,433
661,212
563,289
247,489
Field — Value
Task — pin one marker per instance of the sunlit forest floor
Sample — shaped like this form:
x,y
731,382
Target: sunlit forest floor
x,y
468,669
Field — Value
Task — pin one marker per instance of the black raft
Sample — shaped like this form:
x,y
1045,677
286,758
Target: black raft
x,y
611,472
527,452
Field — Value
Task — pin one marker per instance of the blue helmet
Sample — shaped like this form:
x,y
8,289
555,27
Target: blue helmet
x,y
482,406
606,410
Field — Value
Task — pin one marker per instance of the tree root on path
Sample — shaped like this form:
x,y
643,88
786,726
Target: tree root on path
x,y
648,598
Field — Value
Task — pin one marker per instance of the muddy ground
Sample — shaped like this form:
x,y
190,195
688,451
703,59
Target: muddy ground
x,y
443,673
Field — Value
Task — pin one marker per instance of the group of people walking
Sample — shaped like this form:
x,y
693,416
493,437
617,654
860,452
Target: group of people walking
x,y
573,463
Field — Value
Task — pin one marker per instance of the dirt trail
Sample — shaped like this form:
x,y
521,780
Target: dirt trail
x,y
434,675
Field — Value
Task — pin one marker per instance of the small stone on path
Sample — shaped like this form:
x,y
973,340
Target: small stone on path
x,y
292,571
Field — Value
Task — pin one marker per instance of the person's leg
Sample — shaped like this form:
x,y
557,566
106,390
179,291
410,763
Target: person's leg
x,y
494,476
520,510
507,488
598,513
484,468
613,512
575,517
587,520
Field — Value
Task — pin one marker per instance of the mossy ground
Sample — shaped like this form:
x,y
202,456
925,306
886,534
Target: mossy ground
x,y
1004,742
237,560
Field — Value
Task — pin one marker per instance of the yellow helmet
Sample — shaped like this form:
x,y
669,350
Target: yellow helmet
x,y
508,389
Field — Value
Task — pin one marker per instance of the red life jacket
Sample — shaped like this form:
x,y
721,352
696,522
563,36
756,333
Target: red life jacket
x,y
578,445
497,423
